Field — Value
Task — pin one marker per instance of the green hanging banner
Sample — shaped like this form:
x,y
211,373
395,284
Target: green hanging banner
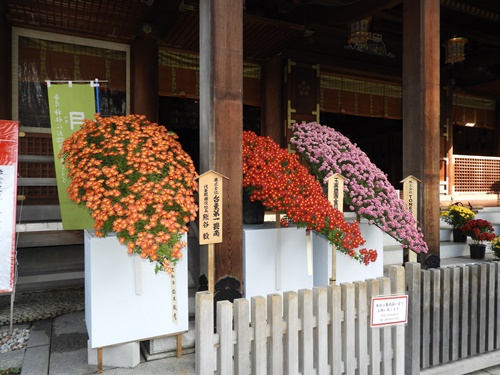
x,y
69,105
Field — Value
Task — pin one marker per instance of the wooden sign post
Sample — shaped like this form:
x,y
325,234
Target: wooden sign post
x,y
410,197
210,190
336,198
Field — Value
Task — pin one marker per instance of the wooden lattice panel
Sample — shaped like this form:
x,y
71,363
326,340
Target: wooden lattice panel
x,y
38,170
39,195
35,144
477,174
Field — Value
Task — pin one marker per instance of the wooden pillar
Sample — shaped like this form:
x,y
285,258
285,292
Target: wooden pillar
x,y
421,110
144,76
5,69
272,116
221,119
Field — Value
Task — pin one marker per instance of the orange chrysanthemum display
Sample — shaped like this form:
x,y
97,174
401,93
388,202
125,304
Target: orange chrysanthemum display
x,y
137,181
276,178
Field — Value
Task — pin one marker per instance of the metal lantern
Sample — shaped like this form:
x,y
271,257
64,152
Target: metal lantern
x,y
358,31
454,50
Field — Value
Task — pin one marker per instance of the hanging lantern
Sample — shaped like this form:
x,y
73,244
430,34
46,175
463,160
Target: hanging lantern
x,y
454,50
358,31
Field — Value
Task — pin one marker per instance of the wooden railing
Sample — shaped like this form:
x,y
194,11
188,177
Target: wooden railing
x,y
323,331
453,327
477,174
453,322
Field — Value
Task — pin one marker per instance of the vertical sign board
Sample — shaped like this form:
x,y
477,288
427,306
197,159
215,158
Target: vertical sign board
x,y
410,197
69,105
336,191
210,188
9,132
410,194
336,198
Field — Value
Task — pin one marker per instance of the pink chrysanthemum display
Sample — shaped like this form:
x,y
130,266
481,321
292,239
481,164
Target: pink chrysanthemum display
x,y
366,190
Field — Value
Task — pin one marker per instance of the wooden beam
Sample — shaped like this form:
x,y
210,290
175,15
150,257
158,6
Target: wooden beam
x,y
144,67
331,12
5,69
272,94
421,98
221,119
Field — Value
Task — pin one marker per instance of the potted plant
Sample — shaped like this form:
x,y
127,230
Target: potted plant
x,y
276,178
456,216
366,188
478,230
495,246
137,182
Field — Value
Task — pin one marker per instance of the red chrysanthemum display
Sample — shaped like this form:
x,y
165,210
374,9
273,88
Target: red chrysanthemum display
x,y
275,177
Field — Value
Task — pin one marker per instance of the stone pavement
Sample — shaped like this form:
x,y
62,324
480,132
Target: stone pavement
x,y
58,346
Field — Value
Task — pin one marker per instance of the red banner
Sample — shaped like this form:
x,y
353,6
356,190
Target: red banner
x,y
9,132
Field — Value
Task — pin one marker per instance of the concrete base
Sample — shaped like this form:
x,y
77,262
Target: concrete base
x,y
165,347
123,355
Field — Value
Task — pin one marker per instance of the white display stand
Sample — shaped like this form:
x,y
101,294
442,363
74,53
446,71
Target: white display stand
x,y
125,301
348,270
275,260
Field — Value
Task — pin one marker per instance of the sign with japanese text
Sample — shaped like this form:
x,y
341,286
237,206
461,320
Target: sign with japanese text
x,y
410,194
9,132
389,310
210,189
69,105
336,191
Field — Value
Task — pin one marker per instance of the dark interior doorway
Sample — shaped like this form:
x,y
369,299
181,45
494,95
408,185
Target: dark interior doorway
x,y
474,141
381,139
182,116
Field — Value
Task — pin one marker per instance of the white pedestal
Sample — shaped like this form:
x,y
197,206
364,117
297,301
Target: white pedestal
x,y
348,270
125,300
274,260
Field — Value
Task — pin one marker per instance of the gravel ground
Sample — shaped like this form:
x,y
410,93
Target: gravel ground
x,y
17,340
31,306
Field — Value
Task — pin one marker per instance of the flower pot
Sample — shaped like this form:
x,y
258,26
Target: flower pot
x,y
253,212
459,236
477,251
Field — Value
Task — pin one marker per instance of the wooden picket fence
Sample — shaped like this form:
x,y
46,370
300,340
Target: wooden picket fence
x,y
454,318
323,331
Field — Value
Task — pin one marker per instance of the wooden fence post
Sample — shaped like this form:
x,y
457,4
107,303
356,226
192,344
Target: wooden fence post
x,y
445,314
372,290
335,331
275,342
291,338
412,342
259,343
242,348
204,320
496,330
397,276
362,327
225,331
321,331
490,303
306,349
386,332
348,328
